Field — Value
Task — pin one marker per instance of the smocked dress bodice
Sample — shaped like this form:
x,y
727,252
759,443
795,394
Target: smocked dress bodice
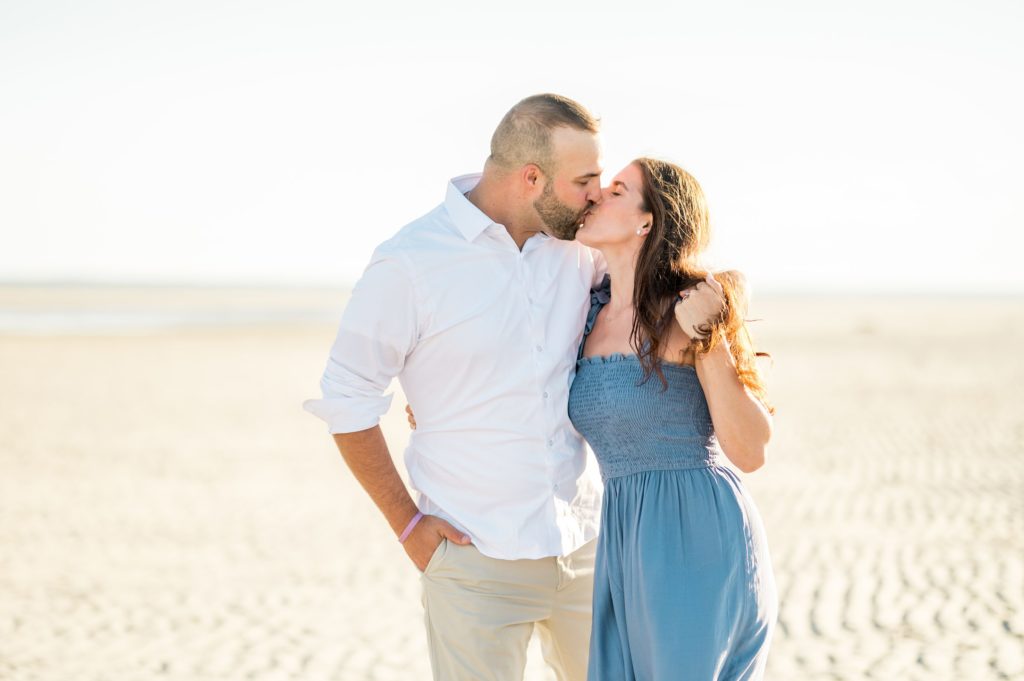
x,y
635,425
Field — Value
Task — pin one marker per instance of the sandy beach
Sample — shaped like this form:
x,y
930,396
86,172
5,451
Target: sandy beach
x,y
168,511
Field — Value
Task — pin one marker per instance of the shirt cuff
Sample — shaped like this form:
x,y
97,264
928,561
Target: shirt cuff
x,y
348,415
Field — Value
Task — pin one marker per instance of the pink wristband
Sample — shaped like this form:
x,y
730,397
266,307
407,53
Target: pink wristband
x,y
408,528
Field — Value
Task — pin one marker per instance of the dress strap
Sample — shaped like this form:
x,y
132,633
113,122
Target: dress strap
x,y
599,297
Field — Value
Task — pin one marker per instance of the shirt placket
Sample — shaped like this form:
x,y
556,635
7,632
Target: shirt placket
x,y
544,392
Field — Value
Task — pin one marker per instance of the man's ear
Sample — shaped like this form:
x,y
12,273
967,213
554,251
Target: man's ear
x,y
532,175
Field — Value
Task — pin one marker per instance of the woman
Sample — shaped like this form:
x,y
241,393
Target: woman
x,y
666,384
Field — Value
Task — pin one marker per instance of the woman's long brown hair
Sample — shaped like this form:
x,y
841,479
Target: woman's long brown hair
x,y
666,265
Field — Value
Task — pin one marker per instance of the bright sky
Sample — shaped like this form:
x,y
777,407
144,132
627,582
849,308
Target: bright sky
x,y
868,146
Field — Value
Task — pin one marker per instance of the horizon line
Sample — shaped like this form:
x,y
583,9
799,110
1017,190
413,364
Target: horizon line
x,y
292,285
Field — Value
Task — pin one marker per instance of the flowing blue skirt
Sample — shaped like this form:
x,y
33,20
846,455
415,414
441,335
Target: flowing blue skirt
x,y
683,587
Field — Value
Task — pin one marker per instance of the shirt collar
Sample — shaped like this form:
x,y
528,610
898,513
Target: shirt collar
x,y
470,220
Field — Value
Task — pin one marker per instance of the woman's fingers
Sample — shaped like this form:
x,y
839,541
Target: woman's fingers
x,y
715,285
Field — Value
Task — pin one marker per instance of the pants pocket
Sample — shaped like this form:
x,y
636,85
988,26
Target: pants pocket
x,y
437,556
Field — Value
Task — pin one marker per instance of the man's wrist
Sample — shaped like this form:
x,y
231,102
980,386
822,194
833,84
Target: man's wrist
x,y
409,527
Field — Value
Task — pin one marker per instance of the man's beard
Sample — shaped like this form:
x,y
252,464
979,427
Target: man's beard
x,y
561,221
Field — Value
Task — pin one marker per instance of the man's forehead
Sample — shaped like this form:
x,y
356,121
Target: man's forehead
x,y
564,138
578,152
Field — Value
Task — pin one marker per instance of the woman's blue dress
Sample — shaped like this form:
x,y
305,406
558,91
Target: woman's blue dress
x,y
683,587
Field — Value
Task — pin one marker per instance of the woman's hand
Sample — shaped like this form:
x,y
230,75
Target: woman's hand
x,y
412,418
698,307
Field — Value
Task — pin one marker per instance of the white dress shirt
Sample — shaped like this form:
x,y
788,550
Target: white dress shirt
x,y
483,339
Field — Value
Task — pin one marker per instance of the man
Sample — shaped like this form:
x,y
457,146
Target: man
x,y
479,313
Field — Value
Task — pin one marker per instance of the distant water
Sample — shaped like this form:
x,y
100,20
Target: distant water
x,y
100,321
98,310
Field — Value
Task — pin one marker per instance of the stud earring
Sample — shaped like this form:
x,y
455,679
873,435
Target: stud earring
x,y
639,231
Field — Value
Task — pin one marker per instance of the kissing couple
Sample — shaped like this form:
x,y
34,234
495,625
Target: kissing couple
x,y
531,313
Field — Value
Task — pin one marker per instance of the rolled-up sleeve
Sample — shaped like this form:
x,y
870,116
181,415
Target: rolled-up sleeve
x,y
376,334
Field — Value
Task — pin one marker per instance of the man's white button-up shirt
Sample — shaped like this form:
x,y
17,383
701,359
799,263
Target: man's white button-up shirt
x,y
483,338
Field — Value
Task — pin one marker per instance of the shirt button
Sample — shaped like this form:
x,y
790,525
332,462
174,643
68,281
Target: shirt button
x,y
539,348
545,396
556,486
551,442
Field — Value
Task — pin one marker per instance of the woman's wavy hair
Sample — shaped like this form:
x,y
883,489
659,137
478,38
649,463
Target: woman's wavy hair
x,y
667,264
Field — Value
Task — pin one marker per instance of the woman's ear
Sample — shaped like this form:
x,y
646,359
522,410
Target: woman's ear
x,y
648,223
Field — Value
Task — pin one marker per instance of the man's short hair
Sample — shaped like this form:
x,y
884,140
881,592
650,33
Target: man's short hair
x,y
524,134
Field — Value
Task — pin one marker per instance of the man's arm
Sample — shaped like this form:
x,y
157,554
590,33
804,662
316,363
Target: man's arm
x,y
367,455
377,332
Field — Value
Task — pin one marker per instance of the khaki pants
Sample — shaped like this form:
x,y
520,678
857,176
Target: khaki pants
x,y
481,612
